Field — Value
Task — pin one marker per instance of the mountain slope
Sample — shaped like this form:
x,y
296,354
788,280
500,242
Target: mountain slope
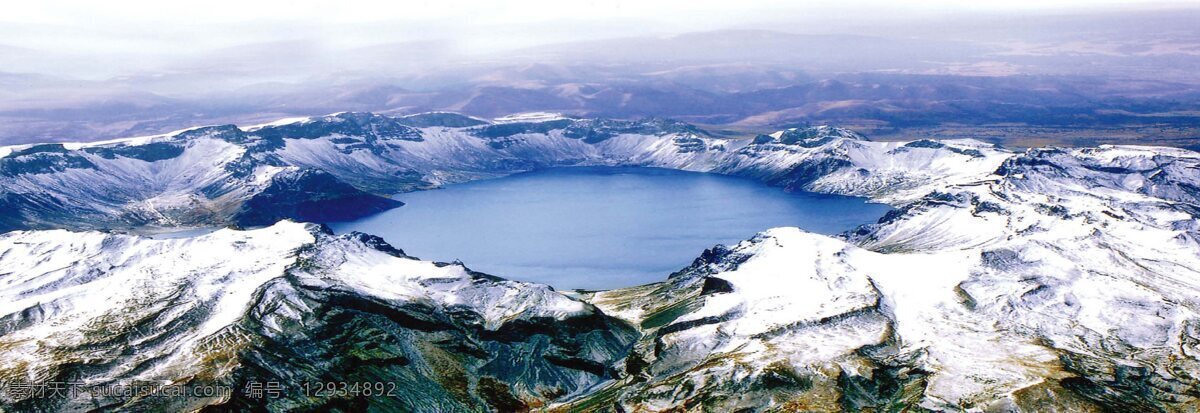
x,y
1067,281
296,306
206,176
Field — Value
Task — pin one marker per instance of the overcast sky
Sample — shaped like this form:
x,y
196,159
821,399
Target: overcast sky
x,y
119,36
88,26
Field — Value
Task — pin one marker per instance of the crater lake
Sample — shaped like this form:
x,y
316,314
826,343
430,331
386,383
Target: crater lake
x,y
599,227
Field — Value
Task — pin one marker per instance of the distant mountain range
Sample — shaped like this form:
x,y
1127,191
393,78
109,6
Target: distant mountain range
x,y
752,99
1050,279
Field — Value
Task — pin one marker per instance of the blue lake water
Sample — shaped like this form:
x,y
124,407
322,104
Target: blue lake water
x,y
599,227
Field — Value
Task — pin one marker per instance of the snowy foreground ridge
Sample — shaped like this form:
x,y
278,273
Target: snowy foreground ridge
x,y
1048,280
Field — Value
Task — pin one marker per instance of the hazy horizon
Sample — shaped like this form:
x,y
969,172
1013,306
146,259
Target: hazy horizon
x,y
145,38
74,70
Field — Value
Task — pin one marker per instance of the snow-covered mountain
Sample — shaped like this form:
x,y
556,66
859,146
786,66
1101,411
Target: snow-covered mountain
x,y
289,303
345,165
1048,280
1068,281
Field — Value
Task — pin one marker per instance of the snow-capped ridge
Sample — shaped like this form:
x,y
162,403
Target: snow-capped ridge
x,y
108,308
813,136
531,117
75,146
